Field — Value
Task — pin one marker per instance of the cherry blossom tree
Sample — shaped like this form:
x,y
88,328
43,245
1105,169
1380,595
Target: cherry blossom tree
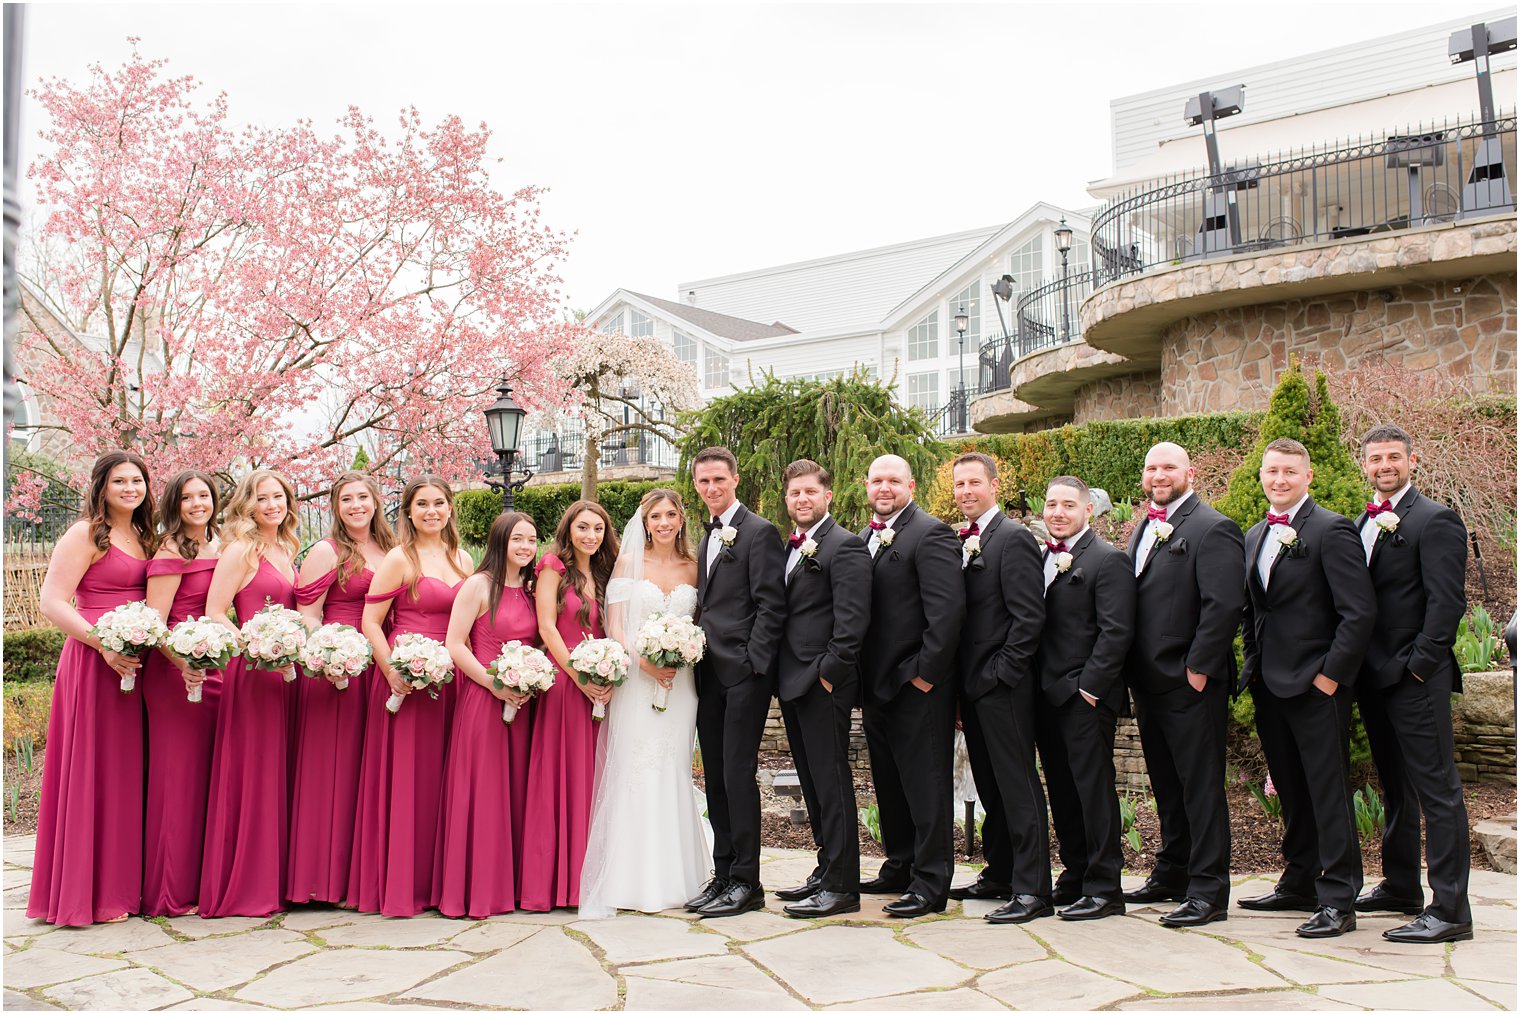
x,y
280,296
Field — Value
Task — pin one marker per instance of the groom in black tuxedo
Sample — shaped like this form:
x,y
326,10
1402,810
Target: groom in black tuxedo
x,y
1309,613
828,608
742,607
908,671
1417,556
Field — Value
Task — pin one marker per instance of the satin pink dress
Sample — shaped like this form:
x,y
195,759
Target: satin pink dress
x,y
486,780
401,777
247,816
561,761
88,863
180,740
329,745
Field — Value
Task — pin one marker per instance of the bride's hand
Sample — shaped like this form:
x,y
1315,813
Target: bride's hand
x,y
664,675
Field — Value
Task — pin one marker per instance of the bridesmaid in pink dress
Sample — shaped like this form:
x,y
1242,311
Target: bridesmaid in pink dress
x,y
247,818
486,780
88,864
335,577
563,752
180,732
401,778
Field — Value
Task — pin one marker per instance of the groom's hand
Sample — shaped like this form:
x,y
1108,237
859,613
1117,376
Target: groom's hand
x,y
826,684
921,685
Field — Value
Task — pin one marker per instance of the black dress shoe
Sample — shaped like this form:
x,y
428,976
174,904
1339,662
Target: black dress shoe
x,y
883,885
1328,922
912,905
736,900
1155,890
1092,907
981,888
1380,899
1279,901
713,888
1022,908
1065,894
811,887
1429,929
1194,912
824,903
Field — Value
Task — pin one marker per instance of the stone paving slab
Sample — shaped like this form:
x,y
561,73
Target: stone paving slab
x,y
728,982
195,926
633,938
1053,984
218,963
1488,957
348,974
834,964
131,989
393,933
111,938
982,947
1280,1000
948,999
547,971
321,918
758,925
20,1001
1314,969
1498,993
43,968
1421,994
1142,951
492,936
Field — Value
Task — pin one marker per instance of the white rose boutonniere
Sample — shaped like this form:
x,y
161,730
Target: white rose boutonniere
x,y
1063,562
972,545
727,534
885,536
808,549
1286,537
1163,530
1387,522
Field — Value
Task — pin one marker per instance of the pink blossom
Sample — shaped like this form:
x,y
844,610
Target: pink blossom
x,y
1270,789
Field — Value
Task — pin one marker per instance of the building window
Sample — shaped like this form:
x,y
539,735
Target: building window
x,y
969,302
923,339
640,326
923,390
685,347
717,369
1026,266
614,325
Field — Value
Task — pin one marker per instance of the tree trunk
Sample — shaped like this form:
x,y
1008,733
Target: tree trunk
x,y
593,455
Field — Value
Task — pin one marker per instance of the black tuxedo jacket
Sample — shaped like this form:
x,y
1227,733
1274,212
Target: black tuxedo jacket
x,y
742,603
1089,623
917,605
1189,597
1419,576
1004,608
1316,613
828,609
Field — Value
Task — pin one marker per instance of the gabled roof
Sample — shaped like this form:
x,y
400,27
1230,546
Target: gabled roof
x,y
721,324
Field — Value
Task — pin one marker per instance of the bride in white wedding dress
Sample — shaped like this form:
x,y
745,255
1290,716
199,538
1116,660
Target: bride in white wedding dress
x,y
648,847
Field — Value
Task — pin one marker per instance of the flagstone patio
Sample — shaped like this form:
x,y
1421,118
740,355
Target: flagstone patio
x,y
333,959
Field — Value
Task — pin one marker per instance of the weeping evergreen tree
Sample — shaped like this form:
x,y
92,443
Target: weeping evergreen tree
x,y
1306,414
842,424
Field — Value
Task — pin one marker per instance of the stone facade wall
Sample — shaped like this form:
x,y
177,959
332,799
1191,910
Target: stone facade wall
x,y
774,738
1132,396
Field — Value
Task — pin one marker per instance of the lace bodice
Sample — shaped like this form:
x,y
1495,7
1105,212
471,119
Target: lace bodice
x,y
682,599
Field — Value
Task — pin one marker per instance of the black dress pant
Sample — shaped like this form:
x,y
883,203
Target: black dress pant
x,y
999,729
1306,740
818,730
1182,734
911,741
1409,730
730,722
1076,741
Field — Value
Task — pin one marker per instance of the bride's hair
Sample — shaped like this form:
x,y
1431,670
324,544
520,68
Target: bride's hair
x,y
683,538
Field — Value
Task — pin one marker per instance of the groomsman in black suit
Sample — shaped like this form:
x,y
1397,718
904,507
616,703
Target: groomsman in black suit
x,y
1189,565
1089,622
1309,614
1417,555
828,608
743,606
1000,562
908,672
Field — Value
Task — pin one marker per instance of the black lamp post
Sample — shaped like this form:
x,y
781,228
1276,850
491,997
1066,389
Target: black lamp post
x,y
1063,247
961,321
504,421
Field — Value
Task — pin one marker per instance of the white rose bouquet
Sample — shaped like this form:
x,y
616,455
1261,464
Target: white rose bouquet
x,y
422,662
203,645
600,661
130,629
336,651
669,639
273,638
523,668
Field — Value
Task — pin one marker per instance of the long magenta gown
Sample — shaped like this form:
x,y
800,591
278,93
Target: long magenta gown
x,y
181,736
486,781
247,818
88,865
560,765
328,748
401,778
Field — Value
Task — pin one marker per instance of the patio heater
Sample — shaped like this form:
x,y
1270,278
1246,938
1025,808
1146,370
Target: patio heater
x,y
1221,212
1002,292
1487,185
504,421
1063,247
961,322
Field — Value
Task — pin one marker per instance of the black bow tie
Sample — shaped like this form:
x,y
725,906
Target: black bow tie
x,y
714,525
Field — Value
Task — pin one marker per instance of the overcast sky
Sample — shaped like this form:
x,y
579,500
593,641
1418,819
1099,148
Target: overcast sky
x,y
682,141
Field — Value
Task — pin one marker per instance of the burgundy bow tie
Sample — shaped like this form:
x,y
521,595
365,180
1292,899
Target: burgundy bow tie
x,y
968,531
1155,513
877,526
1278,519
795,539
1374,509
1055,547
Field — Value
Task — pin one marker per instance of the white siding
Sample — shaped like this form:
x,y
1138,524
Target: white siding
x,y
1333,77
823,356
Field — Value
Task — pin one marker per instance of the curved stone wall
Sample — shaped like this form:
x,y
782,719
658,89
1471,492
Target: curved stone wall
x,y
1132,396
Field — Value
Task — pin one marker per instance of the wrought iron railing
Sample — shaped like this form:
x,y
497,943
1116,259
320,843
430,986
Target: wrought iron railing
x,y
1042,318
954,416
565,449
1427,175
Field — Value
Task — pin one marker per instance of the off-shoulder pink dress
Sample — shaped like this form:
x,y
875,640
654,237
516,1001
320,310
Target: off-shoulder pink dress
x,y
180,740
486,781
247,817
88,863
561,760
328,749
401,777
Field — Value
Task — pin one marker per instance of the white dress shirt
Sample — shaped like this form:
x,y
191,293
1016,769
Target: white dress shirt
x,y
981,530
1050,558
1270,544
875,542
1148,532
794,557
714,546
1370,529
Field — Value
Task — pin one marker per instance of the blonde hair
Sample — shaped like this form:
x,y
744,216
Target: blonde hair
x,y
406,532
683,538
239,524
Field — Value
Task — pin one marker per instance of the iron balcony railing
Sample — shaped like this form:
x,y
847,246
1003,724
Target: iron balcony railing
x,y
1426,175
1042,318
954,416
564,450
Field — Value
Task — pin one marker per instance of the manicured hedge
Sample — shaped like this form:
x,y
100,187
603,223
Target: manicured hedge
x,y
31,654
477,508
